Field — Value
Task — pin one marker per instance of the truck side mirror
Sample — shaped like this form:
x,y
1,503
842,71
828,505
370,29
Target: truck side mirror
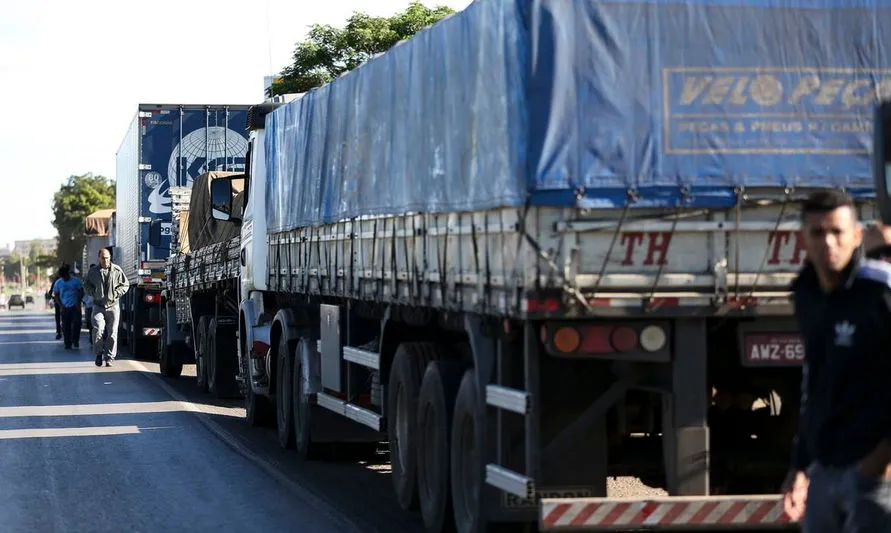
x,y
882,159
155,233
221,198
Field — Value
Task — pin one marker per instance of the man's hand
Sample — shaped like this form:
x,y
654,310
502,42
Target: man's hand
x,y
795,495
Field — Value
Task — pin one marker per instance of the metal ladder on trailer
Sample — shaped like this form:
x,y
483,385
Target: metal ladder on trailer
x,y
522,403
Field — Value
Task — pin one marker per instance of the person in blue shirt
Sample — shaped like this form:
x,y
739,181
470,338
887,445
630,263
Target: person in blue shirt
x,y
69,292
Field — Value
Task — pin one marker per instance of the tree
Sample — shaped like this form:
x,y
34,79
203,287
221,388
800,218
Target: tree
x,y
77,198
331,51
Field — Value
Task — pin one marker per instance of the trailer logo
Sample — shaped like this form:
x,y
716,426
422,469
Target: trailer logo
x,y
771,110
152,179
203,150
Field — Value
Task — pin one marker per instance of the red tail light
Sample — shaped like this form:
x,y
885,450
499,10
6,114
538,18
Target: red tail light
x,y
623,339
151,298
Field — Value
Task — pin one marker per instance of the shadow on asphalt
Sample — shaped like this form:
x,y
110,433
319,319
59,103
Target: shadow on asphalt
x,y
347,477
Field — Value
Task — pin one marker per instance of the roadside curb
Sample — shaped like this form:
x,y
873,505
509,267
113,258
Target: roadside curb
x,y
308,497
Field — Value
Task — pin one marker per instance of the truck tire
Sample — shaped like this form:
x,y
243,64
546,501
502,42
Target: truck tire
x,y
467,456
301,406
201,350
406,374
284,416
170,362
259,411
436,404
223,377
169,359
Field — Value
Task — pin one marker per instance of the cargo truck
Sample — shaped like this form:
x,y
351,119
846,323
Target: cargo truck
x,y
166,145
546,245
200,294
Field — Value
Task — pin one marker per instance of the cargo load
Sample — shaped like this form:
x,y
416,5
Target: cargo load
x,y
203,230
573,103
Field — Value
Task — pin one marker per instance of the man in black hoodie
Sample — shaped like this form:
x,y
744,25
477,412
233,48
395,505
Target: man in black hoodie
x,y
840,479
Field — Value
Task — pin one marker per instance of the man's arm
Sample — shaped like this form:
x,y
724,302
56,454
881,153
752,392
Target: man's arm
x,y
56,297
120,286
801,455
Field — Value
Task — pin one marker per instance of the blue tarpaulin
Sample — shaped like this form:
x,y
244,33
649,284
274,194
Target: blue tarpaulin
x,y
578,102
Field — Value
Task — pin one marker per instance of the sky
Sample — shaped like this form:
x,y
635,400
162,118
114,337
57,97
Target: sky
x,y
72,74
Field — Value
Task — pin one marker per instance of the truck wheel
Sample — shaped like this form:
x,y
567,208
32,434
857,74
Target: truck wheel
x,y
436,404
224,358
300,404
201,350
402,417
168,355
258,409
468,447
210,341
169,360
283,396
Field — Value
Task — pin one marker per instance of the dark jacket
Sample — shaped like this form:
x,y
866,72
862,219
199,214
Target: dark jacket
x,y
846,376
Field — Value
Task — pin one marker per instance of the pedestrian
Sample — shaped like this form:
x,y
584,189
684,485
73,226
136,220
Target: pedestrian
x,y
88,311
106,284
56,309
68,293
840,480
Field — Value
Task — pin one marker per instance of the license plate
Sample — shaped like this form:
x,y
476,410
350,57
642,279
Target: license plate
x,y
772,349
512,501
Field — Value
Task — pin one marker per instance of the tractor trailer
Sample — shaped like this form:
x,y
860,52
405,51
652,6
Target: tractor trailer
x,y
544,245
165,146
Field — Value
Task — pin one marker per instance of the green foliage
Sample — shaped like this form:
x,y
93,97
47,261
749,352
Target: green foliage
x,y
77,198
330,51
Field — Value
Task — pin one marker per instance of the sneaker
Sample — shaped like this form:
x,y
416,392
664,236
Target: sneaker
x,y
98,360
108,362
58,336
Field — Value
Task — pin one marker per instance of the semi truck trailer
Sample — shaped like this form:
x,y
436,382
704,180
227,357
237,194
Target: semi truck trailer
x,y
166,145
544,245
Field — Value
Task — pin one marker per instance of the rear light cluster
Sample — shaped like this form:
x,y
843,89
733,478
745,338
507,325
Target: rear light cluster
x,y
152,298
603,339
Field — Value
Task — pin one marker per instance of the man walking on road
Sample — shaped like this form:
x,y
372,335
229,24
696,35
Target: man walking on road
x,y
68,292
841,468
105,284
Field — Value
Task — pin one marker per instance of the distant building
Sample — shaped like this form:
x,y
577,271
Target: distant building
x,y
47,246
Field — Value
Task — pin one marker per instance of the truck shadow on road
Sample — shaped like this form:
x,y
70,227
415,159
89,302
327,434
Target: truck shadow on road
x,y
349,478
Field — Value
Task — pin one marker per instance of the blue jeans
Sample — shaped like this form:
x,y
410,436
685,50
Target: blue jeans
x,y
71,324
840,500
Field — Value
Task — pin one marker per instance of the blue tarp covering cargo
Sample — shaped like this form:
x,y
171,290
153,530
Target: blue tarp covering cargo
x,y
578,102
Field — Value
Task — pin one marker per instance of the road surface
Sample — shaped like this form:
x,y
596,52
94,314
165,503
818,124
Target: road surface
x,y
108,449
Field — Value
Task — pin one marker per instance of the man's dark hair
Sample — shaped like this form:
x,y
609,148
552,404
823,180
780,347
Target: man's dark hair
x,y
64,271
826,201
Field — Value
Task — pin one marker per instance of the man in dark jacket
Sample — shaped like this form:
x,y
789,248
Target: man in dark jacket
x,y
840,479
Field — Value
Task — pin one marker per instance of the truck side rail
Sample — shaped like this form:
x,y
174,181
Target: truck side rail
x,y
510,262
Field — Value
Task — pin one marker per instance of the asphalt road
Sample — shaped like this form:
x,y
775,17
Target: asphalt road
x,y
110,449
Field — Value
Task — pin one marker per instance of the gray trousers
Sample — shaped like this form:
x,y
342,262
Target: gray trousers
x,y
105,331
840,500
